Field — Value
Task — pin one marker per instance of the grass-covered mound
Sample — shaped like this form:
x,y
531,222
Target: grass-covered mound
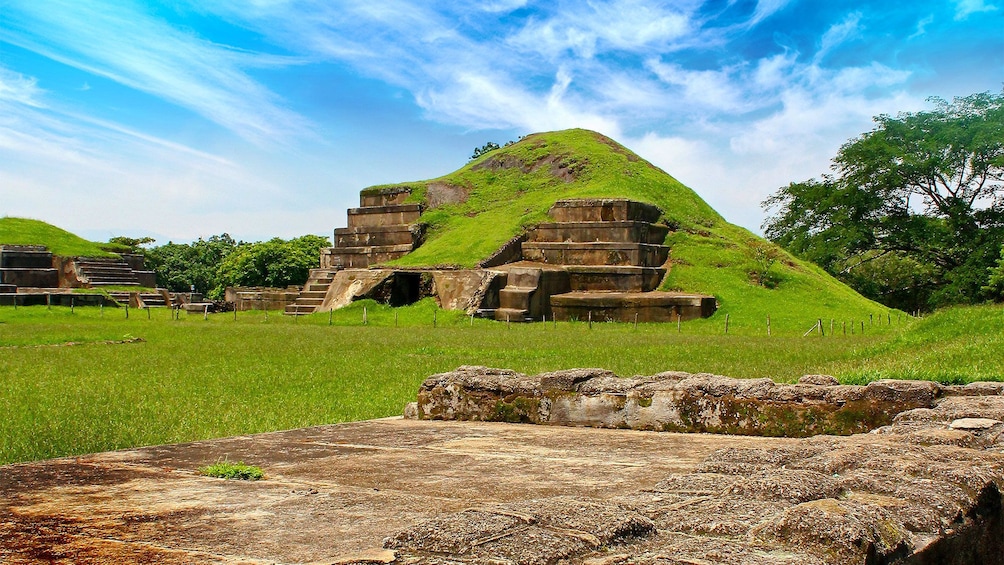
x,y
498,195
22,231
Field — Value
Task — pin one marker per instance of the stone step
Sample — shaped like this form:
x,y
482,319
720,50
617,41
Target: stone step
x,y
384,215
24,258
365,236
512,315
314,302
603,210
114,282
30,278
523,277
362,257
299,310
627,231
614,278
596,253
632,306
516,298
8,288
384,197
320,286
153,299
313,294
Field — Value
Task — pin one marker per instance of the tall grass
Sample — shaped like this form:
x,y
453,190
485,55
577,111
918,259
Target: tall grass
x,y
194,379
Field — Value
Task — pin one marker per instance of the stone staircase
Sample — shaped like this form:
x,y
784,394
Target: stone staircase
x,y
313,293
105,272
524,298
139,299
600,259
382,229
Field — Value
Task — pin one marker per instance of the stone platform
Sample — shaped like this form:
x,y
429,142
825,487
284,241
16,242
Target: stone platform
x,y
924,490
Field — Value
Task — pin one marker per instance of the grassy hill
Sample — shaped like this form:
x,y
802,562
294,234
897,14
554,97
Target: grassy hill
x,y
22,231
500,194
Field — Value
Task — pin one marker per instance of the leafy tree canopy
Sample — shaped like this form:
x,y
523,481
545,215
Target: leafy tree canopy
x,y
273,263
179,266
213,264
922,194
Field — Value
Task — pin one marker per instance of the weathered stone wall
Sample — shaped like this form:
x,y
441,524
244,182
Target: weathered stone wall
x,y
260,298
676,401
923,487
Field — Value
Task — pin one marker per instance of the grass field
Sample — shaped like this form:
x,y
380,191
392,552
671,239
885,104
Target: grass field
x,y
193,378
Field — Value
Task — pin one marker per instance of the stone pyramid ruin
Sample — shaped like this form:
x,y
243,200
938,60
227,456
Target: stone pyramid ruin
x,y
599,259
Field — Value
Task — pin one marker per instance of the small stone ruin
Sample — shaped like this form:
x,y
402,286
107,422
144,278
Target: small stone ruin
x,y
600,259
31,274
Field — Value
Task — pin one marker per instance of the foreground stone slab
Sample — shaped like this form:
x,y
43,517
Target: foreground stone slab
x,y
678,401
918,491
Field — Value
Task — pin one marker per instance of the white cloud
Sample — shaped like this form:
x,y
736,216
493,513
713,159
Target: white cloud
x,y
765,9
922,27
15,87
966,8
128,46
838,34
709,89
624,25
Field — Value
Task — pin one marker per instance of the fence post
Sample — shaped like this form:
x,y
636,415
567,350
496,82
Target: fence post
x,y
726,324
590,319
768,325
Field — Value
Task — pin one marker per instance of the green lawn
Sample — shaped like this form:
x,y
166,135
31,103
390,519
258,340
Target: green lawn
x,y
194,379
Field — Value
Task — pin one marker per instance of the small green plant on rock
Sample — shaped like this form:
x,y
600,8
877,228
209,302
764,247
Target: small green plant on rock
x,y
227,470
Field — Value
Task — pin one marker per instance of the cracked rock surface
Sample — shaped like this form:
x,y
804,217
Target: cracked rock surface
x,y
922,489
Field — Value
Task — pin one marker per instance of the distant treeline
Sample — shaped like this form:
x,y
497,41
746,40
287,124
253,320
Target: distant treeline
x,y
211,265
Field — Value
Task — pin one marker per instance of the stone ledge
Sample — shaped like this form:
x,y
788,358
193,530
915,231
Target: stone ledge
x,y
677,401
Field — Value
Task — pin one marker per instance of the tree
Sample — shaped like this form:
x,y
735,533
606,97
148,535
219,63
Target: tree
x,y
486,148
180,265
274,263
923,190
995,283
123,244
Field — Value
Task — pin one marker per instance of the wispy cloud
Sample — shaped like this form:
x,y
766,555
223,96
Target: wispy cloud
x,y
765,9
966,8
838,34
921,28
15,87
127,45
623,25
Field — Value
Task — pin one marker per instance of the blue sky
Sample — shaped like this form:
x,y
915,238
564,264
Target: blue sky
x,y
183,119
